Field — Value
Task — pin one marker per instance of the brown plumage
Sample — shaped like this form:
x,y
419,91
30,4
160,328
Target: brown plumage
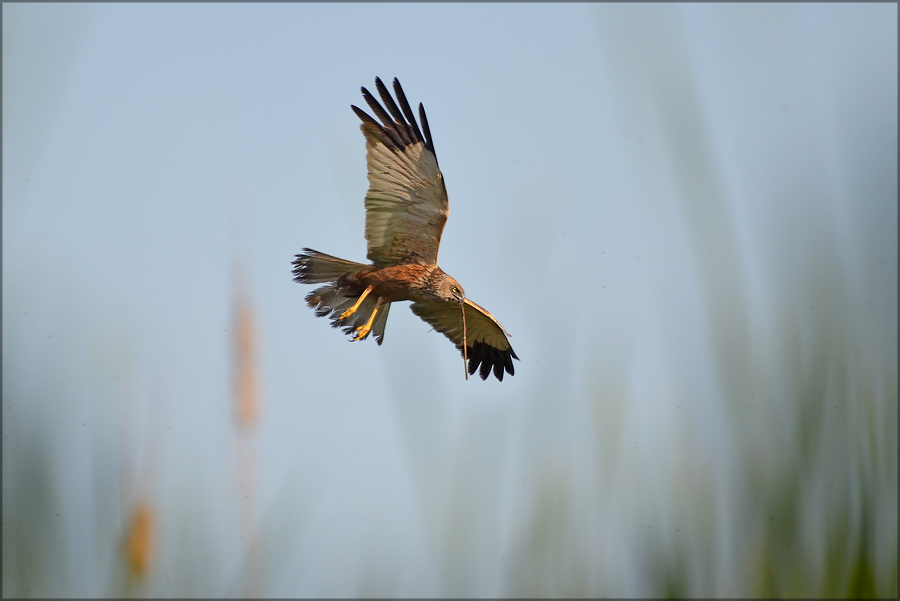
x,y
406,209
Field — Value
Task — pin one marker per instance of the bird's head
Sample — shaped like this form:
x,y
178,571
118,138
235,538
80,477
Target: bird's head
x,y
451,290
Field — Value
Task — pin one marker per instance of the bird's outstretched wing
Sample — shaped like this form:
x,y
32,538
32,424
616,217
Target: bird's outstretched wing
x,y
486,338
406,205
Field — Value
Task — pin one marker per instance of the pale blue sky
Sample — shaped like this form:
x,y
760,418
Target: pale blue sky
x,y
633,188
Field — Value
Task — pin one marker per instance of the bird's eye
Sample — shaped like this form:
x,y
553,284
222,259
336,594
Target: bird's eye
x,y
455,290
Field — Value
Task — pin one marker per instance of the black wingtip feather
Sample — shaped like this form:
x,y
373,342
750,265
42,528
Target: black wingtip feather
x,y
387,124
407,111
370,125
498,365
429,143
485,359
485,370
399,128
399,122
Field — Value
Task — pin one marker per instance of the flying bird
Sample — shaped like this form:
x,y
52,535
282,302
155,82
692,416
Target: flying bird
x,y
406,209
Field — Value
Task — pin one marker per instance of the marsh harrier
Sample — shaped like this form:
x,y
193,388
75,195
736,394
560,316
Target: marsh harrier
x,y
406,208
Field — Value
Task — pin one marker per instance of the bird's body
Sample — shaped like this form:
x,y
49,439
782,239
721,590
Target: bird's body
x,y
409,282
406,208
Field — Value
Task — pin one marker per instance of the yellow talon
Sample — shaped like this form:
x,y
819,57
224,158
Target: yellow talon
x,y
363,330
356,305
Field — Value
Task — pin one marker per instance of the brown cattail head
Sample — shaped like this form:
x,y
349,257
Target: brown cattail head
x,y
246,376
140,541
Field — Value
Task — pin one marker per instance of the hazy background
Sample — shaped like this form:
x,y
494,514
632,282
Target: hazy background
x,y
686,215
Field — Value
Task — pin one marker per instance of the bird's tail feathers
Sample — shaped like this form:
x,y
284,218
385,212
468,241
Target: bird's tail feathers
x,y
332,299
337,295
313,267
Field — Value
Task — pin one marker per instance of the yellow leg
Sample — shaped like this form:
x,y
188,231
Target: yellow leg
x,y
363,330
356,305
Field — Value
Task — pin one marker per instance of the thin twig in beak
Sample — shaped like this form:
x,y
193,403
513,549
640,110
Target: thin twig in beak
x,y
462,306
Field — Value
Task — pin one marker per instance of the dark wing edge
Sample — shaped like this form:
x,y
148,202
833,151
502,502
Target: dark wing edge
x,y
399,128
488,346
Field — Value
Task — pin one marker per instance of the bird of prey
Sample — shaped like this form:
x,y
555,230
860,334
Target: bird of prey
x,y
406,208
